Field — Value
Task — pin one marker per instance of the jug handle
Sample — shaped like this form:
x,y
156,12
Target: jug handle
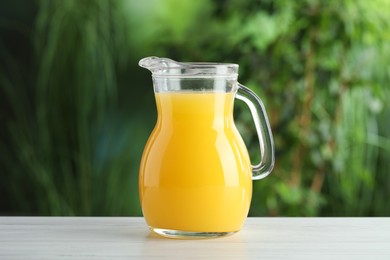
x,y
263,129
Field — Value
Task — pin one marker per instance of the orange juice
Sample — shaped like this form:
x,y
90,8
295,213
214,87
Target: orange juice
x,y
195,173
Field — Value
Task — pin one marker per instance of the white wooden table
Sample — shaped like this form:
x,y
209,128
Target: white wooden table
x,y
261,238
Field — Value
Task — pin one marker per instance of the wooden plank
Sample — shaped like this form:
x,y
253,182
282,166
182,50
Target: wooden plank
x,y
261,238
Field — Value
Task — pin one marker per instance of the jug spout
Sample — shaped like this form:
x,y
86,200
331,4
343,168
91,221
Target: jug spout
x,y
155,64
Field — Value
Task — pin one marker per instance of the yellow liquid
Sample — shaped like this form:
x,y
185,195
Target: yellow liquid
x,y
195,173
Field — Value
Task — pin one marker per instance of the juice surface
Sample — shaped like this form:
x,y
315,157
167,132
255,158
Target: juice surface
x,y
195,173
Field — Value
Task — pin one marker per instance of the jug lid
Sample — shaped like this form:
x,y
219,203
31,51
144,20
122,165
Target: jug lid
x,y
164,67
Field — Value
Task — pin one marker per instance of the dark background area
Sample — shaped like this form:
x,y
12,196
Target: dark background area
x,y
76,110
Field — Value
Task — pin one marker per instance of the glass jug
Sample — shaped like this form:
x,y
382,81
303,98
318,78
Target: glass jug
x,y
195,178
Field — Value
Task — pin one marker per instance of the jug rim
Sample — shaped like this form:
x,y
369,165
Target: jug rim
x,y
164,67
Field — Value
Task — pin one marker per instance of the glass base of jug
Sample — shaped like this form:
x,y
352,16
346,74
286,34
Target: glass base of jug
x,y
179,234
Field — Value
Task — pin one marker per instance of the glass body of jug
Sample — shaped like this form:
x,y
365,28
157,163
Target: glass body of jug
x,y
195,176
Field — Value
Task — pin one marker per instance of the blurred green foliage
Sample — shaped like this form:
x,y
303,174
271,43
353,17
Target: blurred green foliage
x,y
76,110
